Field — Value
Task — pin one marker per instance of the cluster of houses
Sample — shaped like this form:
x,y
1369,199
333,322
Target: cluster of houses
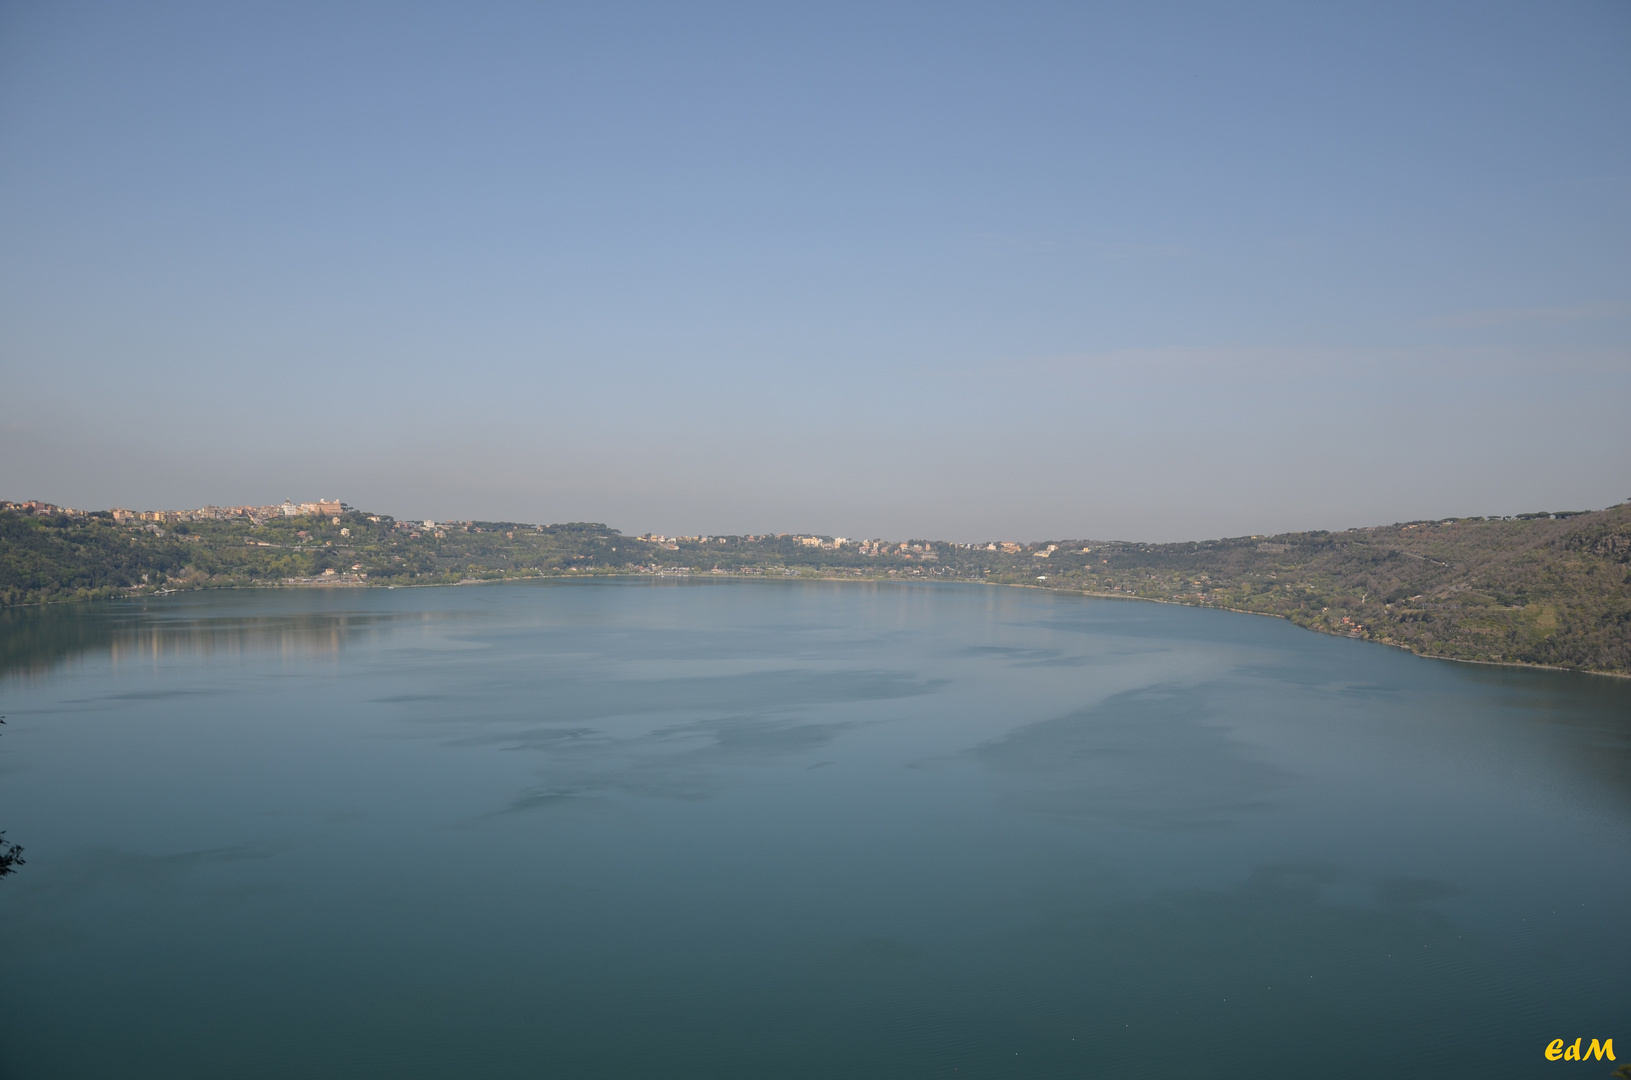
x,y
320,508
34,506
921,551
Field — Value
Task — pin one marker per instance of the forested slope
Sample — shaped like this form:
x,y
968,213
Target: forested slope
x,y
1540,590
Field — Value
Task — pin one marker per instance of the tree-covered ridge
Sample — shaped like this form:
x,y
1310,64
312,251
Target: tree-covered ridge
x,y
52,557
1537,589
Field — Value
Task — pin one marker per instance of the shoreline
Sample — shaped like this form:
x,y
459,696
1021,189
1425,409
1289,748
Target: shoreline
x,y
1518,664
1326,633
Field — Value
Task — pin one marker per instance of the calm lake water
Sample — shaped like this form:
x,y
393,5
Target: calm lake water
x,y
756,829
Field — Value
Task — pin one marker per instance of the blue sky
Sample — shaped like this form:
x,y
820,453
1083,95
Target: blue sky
x,y
1146,271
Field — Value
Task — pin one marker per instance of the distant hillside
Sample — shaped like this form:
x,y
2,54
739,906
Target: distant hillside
x,y
1535,590
1538,589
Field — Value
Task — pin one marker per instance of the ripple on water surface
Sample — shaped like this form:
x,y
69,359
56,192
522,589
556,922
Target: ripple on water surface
x,y
792,829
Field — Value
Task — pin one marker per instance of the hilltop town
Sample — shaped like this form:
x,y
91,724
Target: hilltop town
x,y
1549,588
256,514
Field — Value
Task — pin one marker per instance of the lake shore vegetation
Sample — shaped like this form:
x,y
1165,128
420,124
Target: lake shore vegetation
x,y
1550,588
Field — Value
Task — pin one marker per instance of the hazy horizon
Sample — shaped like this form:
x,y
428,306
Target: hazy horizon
x,y
1164,273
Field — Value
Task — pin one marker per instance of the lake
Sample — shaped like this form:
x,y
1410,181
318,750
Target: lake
x,y
794,829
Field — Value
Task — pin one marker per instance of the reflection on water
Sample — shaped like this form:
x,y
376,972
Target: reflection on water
x,y
11,854
35,640
792,829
